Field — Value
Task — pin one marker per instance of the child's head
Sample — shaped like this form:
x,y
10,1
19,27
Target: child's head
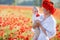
x,y
48,7
35,10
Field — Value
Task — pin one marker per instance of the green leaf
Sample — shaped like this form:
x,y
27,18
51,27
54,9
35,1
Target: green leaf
x,y
1,38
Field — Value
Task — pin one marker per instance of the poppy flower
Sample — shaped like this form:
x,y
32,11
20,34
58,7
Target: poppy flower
x,y
37,15
0,20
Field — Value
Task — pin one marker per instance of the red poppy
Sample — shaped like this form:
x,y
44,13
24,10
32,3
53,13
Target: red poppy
x,y
1,32
0,20
27,38
58,35
22,30
18,24
37,15
11,27
10,38
21,36
3,24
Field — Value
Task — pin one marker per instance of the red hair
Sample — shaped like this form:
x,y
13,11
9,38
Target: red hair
x,y
48,6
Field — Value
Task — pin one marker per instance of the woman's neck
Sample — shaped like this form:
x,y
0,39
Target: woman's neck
x,y
47,15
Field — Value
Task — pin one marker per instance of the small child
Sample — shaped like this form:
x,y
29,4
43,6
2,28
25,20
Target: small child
x,y
36,18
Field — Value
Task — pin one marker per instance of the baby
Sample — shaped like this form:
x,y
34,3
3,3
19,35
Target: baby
x,y
36,18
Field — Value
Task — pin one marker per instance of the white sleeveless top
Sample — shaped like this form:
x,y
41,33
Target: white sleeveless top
x,y
49,24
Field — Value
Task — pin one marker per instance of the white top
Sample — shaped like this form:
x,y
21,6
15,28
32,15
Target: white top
x,y
49,24
41,17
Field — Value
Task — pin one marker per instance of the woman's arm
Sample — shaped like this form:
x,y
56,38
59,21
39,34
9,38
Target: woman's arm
x,y
39,25
42,28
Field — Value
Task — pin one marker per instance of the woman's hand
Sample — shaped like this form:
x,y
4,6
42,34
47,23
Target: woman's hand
x,y
36,24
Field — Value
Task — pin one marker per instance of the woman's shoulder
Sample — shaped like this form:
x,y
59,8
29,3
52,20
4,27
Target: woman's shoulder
x,y
54,20
51,19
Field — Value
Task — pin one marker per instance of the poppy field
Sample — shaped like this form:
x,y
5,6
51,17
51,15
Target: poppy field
x,y
16,23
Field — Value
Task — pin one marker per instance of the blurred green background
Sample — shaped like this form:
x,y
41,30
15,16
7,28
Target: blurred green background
x,y
27,2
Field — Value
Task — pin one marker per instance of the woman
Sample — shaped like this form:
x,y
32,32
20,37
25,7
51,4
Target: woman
x,y
48,25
